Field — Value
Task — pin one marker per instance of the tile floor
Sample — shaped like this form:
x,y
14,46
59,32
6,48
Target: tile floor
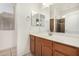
x,y
29,54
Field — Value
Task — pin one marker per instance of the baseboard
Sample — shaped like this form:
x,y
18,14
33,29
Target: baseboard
x,y
5,52
8,52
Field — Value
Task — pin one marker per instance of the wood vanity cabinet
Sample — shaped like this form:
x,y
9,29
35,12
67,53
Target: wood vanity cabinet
x,y
64,50
44,47
47,49
32,44
38,46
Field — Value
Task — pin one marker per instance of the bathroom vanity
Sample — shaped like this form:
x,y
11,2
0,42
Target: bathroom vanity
x,y
45,45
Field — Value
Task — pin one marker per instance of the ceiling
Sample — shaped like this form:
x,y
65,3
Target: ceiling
x,y
65,6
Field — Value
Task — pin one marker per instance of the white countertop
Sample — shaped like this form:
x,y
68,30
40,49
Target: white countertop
x,y
61,38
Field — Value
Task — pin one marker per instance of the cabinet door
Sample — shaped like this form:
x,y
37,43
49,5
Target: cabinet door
x,y
47,48
58,54
65,49
46,51
32,44
38,46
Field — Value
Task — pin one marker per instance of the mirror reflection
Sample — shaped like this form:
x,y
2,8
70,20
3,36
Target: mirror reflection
x,y
37,19
64,18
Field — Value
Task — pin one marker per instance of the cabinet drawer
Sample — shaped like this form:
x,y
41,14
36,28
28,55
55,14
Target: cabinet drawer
x,y
67,50
47,42
46,51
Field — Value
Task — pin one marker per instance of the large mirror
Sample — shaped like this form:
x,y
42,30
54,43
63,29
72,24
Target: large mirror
x,y
64,18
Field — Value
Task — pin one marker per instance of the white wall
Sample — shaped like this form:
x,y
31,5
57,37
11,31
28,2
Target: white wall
x,y
24,26
7,39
